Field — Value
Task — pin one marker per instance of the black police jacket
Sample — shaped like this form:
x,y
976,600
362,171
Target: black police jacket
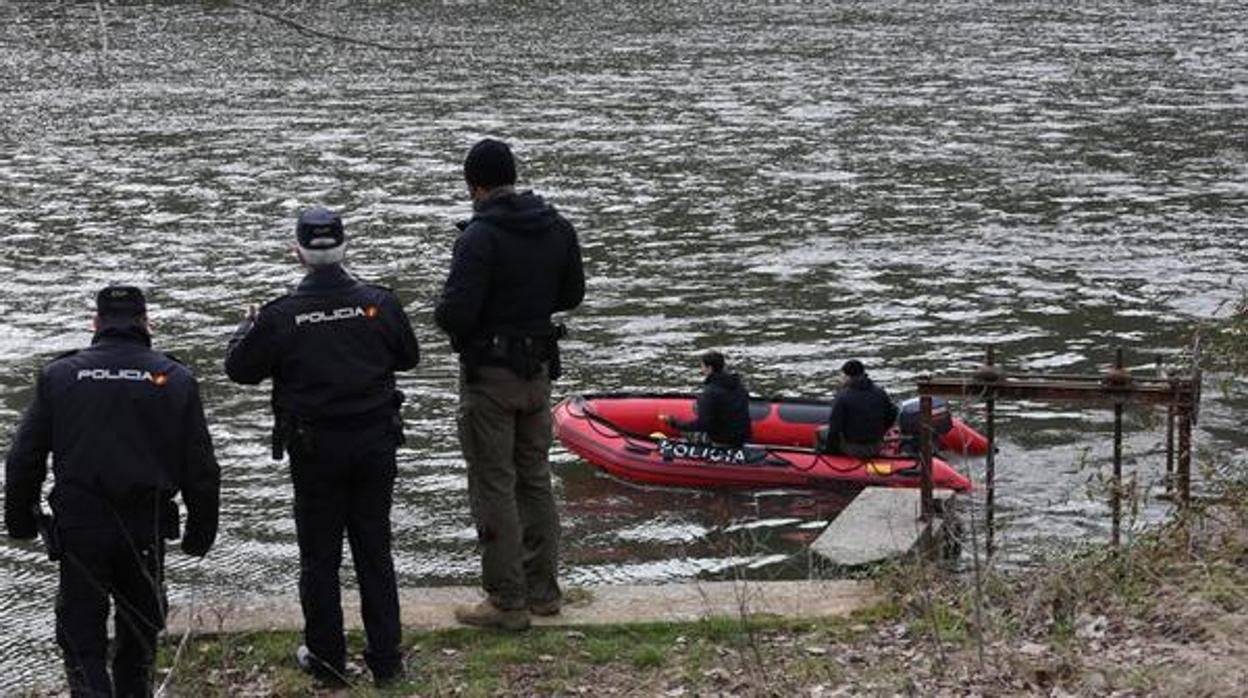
x,y
861,413
723,410
331,347
516,262
126,430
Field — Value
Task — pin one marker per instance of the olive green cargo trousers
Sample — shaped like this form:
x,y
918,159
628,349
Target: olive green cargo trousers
x,y
505,433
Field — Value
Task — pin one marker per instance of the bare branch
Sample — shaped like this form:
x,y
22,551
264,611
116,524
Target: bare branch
x,y
305,29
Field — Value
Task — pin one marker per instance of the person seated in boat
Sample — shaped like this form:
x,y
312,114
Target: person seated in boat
x,y
723,407
861,413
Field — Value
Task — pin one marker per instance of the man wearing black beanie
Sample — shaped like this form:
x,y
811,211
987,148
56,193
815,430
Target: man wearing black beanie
x,y
516,262
861,414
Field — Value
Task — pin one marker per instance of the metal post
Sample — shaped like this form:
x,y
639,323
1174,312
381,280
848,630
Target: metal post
x,y
1169,448
1116,493
927,507
990,463
1169,482
1185,456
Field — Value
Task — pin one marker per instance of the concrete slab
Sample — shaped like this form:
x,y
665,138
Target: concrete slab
x,y
881,523
433,607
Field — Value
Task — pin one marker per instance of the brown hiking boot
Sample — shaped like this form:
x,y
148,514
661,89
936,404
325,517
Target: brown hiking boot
x,y
546,608
487,615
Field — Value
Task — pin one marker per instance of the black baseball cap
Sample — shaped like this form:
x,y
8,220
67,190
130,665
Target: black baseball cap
x,y
319,228
853,368
120,302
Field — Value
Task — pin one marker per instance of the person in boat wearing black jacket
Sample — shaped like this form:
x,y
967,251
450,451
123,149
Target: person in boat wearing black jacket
x,y
332,347
515,263
723,407
126,429
861,413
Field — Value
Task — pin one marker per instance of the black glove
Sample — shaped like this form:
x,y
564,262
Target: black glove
x,y
21,525
195,543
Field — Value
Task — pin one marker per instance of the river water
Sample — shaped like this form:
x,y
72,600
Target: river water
x,y
792,183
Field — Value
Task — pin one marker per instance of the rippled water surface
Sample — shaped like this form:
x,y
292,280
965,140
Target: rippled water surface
x,y
793,183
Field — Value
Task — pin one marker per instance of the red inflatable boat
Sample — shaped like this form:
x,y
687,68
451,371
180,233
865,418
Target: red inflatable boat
x,y
623,435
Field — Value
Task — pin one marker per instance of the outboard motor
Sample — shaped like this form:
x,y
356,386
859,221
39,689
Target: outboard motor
x,y
908,423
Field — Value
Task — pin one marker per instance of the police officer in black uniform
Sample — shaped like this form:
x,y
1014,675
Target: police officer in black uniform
x,y
126,429
332,347
516,262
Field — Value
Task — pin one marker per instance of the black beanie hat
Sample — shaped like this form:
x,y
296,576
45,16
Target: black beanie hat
x,y
318,229
490,164
120,302
853,368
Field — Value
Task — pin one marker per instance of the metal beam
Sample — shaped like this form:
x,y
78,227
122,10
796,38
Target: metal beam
x,y
1093,389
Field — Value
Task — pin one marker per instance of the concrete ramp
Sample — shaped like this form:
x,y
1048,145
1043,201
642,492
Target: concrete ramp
x,y
430,608
881,523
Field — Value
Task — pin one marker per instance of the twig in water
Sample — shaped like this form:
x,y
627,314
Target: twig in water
x,y
99,15
303,28
103,55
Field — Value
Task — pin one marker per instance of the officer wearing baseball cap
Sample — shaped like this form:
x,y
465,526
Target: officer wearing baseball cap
x,y
516,262
332,347
126,429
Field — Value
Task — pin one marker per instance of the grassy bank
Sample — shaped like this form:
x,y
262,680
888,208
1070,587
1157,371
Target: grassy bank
x,y
651,659
1165,615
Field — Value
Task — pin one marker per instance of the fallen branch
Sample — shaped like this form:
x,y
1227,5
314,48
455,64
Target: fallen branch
x,y
305,29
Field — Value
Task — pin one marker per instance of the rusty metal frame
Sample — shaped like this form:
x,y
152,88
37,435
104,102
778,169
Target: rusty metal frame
x,y
1117,388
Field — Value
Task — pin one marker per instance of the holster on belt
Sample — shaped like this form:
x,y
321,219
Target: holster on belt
x,y
524,353
288,431
279,437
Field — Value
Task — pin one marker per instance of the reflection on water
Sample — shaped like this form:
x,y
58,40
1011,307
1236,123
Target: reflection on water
x,y
792,183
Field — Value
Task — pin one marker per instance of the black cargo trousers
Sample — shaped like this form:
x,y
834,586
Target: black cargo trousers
x,y
344,481
118,559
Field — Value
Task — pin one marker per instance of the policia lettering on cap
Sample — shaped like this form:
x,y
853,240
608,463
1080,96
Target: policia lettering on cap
x,y
516,262
126,428
331,348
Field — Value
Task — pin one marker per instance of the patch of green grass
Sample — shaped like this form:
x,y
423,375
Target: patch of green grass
x,y
504,650
648,656
602,650
474,661
554,642
722,630
948,621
